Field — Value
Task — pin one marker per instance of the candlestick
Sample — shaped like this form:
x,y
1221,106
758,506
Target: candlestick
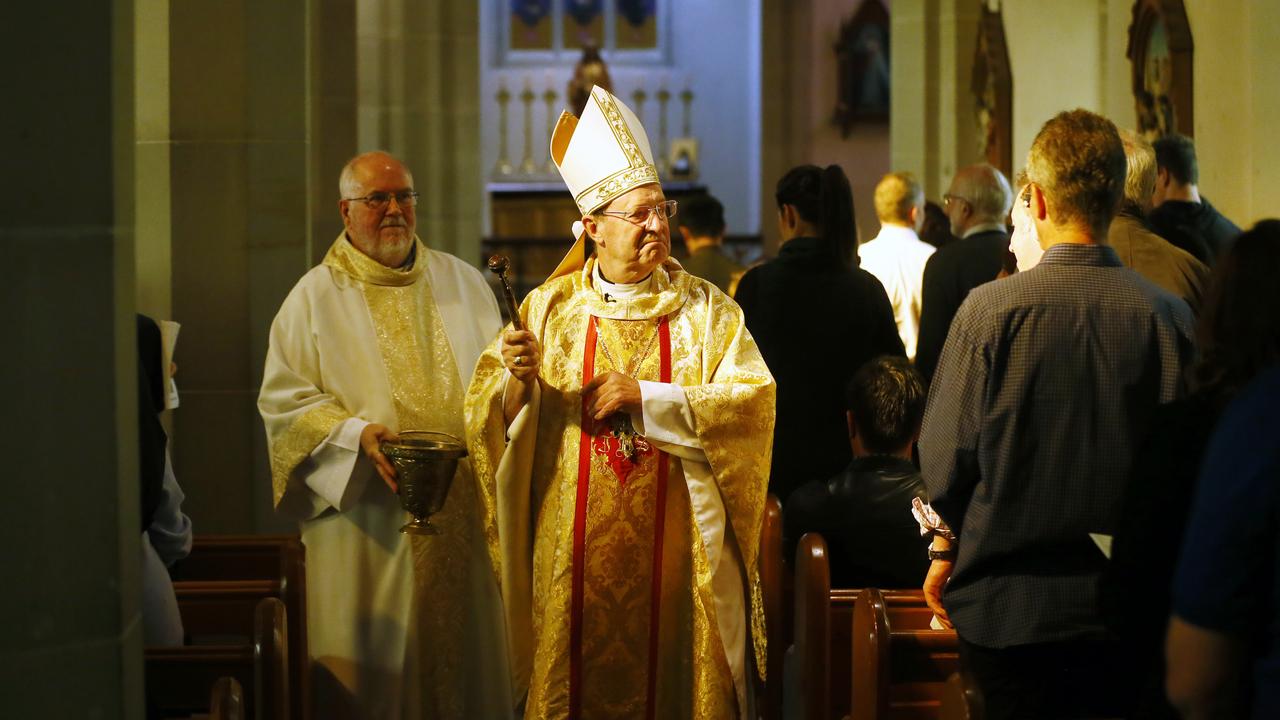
x,y
503,167
549,97
527,96
661,161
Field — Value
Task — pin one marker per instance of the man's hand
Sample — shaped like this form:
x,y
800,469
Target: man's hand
x,y
370,438
934,583
522,355
611,392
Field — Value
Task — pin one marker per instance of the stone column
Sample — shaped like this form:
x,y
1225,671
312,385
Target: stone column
x,y
419,98
256,121
69,525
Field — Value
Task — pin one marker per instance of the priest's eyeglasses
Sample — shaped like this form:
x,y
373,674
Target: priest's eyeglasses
x,y
640,215
380,200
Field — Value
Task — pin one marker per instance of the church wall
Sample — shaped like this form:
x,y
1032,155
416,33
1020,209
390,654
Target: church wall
x,y
1237,106
72,642
1067,55
864,154
244,118
715,44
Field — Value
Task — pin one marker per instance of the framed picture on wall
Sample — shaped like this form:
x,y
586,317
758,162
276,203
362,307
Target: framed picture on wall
x,y
539,32
992,88
862,68
1160,52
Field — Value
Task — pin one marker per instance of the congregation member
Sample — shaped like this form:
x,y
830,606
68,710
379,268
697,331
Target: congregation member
x,y
1181,214
872,540
897,256
1239,338
378,339
817,317
702,225
622,439
1148,254
166,534
1047,382
977,204
1223,649
936,228
1024,241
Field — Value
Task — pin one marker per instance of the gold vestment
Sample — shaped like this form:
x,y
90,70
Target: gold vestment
x,y
610,604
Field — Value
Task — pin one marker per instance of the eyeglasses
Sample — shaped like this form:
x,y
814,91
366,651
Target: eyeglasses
x,y
380,200
641,215
950,199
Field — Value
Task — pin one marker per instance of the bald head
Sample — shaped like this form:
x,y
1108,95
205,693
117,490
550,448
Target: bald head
x,y
359,169
979,195
378,207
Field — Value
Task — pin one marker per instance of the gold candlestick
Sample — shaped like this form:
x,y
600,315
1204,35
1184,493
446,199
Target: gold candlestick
x,y
637,98
686,99
549,97
660,162
502,168
527,165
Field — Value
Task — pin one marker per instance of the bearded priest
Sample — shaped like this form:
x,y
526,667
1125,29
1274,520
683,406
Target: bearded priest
x,y
621,443
379,339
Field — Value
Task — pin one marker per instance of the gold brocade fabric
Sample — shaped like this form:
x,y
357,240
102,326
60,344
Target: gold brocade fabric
x,y
427,393
731,394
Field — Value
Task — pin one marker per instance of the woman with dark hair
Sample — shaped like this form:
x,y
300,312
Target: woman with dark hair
x,y
1239,337
817,318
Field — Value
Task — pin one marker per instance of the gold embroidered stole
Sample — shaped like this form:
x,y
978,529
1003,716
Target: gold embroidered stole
x,y
427,394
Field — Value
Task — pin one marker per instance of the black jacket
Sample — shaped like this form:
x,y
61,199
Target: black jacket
x,y
816,323
864,514
1195,227
948,277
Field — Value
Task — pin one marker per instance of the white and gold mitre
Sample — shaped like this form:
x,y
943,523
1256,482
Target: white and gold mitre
x,y
604,153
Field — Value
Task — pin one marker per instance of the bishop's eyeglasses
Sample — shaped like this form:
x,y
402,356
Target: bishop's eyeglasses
x,y
379,201
640,215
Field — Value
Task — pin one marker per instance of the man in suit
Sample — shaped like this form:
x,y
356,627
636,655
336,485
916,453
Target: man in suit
x,y
977,204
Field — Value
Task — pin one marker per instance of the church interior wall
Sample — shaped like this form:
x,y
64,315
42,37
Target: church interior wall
x,y
714,49
864,153
72,644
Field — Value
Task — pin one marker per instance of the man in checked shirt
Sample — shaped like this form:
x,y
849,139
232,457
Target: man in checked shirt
x,y
1045,387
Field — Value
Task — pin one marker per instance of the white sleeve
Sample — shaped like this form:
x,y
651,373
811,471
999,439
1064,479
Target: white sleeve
x,y
666,419
337,470
170,530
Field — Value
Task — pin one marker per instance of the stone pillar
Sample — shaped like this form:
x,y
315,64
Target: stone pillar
x,y
69,524
256,120
419,99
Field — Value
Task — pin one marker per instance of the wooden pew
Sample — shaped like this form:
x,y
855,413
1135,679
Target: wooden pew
x,y
900,666
961,699
775,582
220,582
823,620
226,702
178,678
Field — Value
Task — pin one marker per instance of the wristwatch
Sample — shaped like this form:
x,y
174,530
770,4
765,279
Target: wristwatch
x,y
948,554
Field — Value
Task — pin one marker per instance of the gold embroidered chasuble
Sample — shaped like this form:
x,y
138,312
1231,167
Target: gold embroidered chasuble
x,y
608,546
409,374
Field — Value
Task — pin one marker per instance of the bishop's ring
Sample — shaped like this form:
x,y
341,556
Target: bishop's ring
x,y
518,361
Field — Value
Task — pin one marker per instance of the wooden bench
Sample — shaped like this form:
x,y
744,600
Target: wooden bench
x,y
220,583
821,629
775,586
178,678
900,665
961,699
226,702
